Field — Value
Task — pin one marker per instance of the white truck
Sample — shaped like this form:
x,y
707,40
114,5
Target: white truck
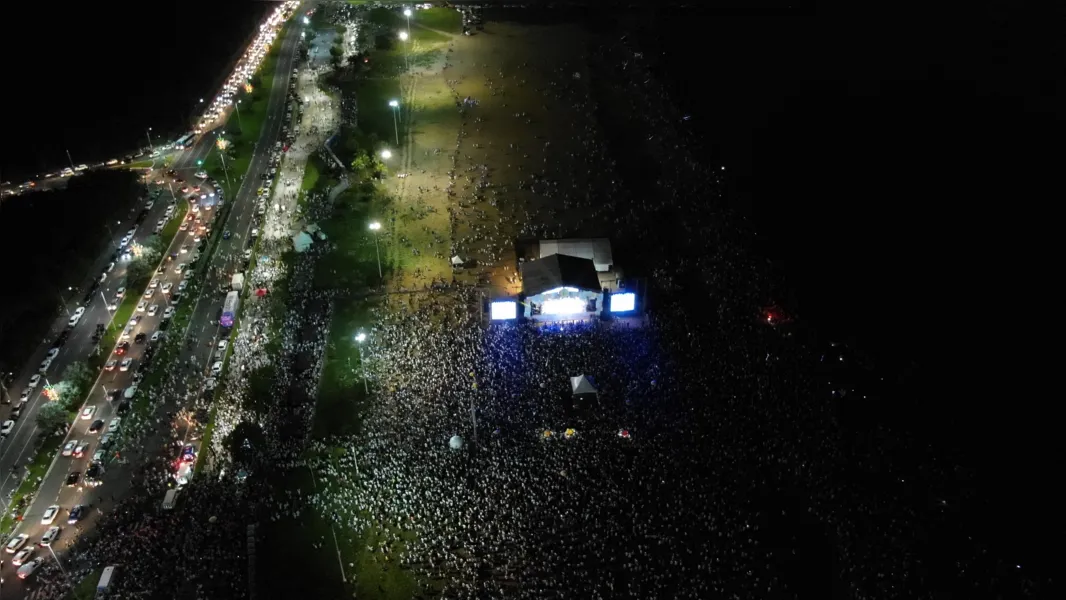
x,y
237,282
105,581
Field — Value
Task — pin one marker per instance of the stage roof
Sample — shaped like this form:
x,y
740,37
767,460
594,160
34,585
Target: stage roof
x,y
598,250
556,271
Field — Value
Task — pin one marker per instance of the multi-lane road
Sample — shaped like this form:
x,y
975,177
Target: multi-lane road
x,y
227,257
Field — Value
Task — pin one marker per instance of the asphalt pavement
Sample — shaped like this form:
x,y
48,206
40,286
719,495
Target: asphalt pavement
x,y
227,256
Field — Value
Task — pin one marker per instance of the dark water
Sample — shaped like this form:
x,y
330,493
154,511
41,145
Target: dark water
x,y
92,77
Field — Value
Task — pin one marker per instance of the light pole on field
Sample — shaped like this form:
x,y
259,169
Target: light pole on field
x,y
407,13
359,339
403,38
148,132
395,104
375,227
237,105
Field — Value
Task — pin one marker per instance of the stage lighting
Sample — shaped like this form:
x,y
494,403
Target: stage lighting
x,y
623,302
563,306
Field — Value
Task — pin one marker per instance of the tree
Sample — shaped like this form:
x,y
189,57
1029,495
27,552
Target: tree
x,y
66,395
340,29
79,376
155,245
245,443
139,271
52,416
367,166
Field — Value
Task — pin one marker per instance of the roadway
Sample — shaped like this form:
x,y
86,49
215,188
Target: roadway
x,y
227,258
15,449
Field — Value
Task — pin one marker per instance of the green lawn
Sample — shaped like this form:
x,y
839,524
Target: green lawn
x,y
86,588
444,19
311,173
375,114
340,389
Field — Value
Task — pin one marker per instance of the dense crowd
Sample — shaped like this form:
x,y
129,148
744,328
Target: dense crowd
x,y
709,463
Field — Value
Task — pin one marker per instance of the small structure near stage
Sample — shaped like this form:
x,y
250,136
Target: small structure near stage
x,y
582,385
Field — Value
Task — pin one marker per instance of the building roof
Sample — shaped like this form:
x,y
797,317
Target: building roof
x,y
556,271
598,250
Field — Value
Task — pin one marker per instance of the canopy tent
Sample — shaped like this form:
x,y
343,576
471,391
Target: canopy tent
x,y
302,241
456,261
582,385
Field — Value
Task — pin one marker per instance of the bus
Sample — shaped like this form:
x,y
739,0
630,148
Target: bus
x,y
229,309
185,141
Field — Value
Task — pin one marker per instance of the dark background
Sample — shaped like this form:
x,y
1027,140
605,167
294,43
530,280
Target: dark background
x,y
901,171
92,77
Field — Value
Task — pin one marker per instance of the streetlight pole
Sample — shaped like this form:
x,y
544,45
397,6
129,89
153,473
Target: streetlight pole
x,y
222,155
360,338
403,38
63,303
376,226
71,160
237,105
65,574
148,132
395,104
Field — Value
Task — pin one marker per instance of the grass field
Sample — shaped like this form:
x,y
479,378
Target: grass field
x,y
86,588
312,172
444,19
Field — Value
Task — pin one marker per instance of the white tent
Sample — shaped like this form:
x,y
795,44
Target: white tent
x,y
582,385
456,261
301,241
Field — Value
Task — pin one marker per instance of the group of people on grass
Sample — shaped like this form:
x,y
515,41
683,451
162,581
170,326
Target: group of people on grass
x,y
709,462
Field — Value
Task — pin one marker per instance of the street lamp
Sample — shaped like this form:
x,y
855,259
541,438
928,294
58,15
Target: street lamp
x,y
376,226
360,338
407,13
148,133
237,105
395,104
403,38
386,154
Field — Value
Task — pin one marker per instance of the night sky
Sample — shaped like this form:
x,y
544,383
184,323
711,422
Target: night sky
x,y
900,168
93,81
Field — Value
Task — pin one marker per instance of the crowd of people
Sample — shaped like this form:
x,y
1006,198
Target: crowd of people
x,y
710,461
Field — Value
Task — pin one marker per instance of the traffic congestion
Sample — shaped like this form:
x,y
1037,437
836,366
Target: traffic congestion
x,y
90,465
90,446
